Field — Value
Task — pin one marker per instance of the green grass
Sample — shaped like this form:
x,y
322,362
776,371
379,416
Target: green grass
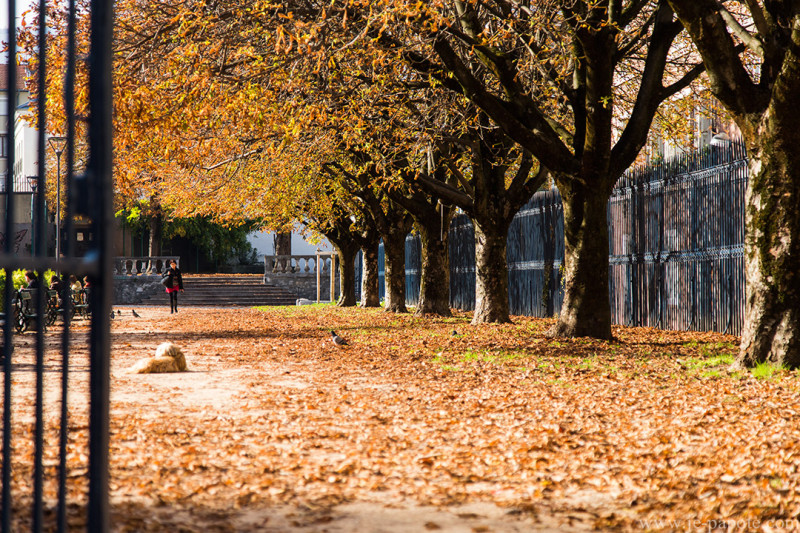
x,y
492,356
291,310
718,348
711,362
512,356
766,370
469,355
712,358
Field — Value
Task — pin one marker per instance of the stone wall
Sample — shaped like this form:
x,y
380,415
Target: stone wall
x,y
134,289
303,284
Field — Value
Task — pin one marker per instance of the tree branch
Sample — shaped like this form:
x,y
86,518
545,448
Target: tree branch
x,y
751,41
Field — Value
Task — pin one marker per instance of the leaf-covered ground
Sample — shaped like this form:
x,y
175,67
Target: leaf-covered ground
x,y
422,425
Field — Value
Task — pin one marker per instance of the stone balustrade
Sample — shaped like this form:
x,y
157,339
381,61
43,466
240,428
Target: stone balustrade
x,y
143,266
298,273
295,264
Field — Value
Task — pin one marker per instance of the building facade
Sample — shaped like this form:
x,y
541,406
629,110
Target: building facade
x,y
13,104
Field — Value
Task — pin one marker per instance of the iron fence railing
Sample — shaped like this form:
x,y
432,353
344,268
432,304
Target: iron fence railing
x,y
38,494
676,243
676,232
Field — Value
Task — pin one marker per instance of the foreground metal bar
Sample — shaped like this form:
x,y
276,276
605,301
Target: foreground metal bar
x,y
101,189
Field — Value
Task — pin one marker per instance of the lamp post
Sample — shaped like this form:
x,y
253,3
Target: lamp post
x,y
58,144
33,181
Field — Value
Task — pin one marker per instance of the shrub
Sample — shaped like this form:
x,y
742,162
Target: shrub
x,y
18,279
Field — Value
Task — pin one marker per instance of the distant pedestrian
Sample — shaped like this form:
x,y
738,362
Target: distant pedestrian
x,y
77,289
57,284
174,284
31,280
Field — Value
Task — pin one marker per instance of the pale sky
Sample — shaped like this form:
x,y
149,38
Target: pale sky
x,y
22,5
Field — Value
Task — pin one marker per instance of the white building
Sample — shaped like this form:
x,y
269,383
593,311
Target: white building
x,y
25,161
262,242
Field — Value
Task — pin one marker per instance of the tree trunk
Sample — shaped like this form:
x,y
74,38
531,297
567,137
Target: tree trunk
x,y
154,243
154,227
283,243
771,330
586,310
347,274
370,282
434,288
491,273
394,251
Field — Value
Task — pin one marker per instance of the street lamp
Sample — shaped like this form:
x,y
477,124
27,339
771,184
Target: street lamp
x,y
58,144
33,181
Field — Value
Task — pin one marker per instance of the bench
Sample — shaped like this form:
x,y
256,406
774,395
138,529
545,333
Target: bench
x,y
80,302
25,309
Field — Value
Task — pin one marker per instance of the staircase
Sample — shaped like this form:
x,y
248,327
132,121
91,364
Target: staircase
x,y
241,290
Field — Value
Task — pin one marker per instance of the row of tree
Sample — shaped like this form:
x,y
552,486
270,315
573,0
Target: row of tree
x,y
362,120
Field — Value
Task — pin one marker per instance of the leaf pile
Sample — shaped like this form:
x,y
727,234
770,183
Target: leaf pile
x,y
276,427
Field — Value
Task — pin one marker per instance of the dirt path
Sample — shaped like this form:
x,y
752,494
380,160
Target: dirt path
x,y
266,433
422,425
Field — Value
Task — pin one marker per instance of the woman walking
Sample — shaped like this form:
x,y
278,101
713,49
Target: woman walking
x,y
174,284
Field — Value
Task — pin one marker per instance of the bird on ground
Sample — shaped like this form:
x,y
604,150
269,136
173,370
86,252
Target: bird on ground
x,y
119,313
112,314
337,340
133,311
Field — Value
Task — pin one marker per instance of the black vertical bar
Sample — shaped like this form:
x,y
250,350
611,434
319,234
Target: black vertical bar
x,y
101,189
8,340
40,251
66,299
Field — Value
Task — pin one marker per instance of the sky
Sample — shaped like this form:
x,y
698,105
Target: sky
x,y
22,5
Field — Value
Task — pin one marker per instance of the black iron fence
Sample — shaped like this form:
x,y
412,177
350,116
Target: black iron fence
x,y
56,375
676,250
676,247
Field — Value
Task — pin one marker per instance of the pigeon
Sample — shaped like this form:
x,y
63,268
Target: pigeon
x,y
119,313
112,315
133,311
337,340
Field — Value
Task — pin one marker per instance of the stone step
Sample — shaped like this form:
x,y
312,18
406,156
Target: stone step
x,y
241,290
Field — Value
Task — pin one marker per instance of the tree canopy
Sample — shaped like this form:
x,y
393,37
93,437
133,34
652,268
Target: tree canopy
x,y
240,110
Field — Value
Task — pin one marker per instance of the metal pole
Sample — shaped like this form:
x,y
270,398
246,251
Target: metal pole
x,y
333,278
58,204
100,191
33,234
58,144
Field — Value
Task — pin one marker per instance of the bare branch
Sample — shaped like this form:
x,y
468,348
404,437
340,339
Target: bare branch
x,y
232,159
751,41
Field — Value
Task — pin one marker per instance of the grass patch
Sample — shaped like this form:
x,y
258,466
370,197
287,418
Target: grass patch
x,y
718,349
493,356
469,356
711,362
290,310
512,356
767,370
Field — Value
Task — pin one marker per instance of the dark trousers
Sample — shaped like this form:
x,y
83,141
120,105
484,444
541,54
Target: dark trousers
x,y
173,302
